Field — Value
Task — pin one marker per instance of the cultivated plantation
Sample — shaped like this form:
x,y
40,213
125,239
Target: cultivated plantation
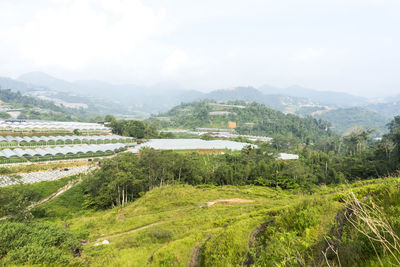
x,y
166,193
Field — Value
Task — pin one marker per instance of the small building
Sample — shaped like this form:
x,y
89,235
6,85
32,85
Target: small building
x,y
286,156
232,124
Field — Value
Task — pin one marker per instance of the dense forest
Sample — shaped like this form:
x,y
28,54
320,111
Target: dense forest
x,y
132,128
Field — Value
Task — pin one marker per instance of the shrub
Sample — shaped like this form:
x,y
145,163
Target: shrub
x,y
36,243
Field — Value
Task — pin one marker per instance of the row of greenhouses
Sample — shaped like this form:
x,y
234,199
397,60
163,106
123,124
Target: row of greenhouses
x,y
7,141
59,153
51,126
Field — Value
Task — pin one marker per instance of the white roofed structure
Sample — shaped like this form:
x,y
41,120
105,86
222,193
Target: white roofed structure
x,y
75,149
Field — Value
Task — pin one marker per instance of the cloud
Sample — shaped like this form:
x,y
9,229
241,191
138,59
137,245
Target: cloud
x,y
332,44
174,62
70,34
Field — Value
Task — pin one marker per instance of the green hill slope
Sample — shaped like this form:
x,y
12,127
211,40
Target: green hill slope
x,y
34,108
345,119
216,226
250,118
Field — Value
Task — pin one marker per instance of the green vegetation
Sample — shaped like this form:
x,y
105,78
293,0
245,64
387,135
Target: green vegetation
x,y
167,225
363,233
245,208
307,111
345,119
125,177
37,109
132,128
40,167
4,115
171,220
14,199
253,119
36,243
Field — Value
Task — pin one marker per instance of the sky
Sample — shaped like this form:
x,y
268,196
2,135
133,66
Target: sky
x,y
340,45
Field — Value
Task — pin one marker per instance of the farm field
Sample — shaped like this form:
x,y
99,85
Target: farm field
x,y
41,147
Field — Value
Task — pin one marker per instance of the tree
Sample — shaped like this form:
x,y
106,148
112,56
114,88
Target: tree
x,y
394,131
109,118
77,132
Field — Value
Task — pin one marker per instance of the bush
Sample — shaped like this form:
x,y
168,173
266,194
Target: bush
x,y
36,243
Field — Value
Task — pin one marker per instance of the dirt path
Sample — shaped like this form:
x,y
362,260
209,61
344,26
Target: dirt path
x,y
227,201
47,199
331,242
197,250
195,258
60,191
99,240
252,240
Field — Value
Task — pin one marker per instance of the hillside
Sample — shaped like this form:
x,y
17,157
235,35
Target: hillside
x,y
338,99
45,87
276,101
165,225
8,83
345,119
129,99
388,109
247,208
17,106
250,118
202,226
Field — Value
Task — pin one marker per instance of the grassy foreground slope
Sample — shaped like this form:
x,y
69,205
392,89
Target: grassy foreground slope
x,y
169,225
182,225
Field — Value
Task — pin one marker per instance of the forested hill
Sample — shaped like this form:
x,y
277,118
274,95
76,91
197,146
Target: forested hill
x,y
246,118
345,119
34,108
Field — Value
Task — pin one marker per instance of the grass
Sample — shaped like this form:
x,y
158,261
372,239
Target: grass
x,y
31,192
64,206
163,227
177,223
34,167
43,189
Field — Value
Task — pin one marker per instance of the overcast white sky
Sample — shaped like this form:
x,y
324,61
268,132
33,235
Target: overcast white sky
x,y
342,45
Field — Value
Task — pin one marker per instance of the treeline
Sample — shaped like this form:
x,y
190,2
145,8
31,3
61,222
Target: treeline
x,y
132,128
127,176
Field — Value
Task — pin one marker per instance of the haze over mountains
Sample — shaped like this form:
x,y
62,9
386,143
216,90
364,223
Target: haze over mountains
x,y
131,94
141,101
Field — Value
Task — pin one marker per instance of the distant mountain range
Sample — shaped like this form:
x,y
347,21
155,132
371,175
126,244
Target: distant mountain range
x,y
322,97
163,96
141,101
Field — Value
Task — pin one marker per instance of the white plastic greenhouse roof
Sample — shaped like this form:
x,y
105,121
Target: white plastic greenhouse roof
x,y
62,138
18,152
51,125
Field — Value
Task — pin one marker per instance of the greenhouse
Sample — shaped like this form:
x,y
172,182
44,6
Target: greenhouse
x,y
52,126
8,141
59,153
